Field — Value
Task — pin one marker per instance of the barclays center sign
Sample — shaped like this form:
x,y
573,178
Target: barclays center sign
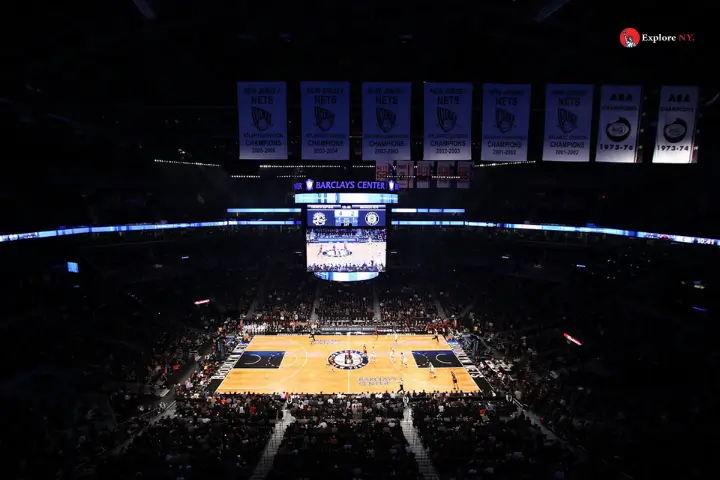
x,y
310,185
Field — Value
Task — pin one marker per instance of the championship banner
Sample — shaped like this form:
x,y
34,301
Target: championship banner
x,y
262,117
404,175
568,122
619,124
386,121
424,174
448,121
675,140
325,120
464,172
444,170
382,171
506,122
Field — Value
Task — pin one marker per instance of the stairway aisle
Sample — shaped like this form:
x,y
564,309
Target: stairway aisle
x,y
438,305
376,305
266,460
259,294
422,456
316,302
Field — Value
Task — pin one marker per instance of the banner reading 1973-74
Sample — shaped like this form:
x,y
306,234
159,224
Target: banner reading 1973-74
x,y
448,121
568,122
506,122
619,123
262,117
325,120
386,121
676,125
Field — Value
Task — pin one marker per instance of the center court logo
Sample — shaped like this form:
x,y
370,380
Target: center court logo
x,y
348,360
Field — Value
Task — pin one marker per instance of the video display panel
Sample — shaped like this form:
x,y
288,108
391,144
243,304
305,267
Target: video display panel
x,y
345,216
346,249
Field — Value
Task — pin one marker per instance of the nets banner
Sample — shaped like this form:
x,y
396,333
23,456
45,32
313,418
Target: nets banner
x,y
448,121
386,121
262,118
618,124
424,174
675,141
404,174
506,122
464,174
444,170
325,120
382,171
568,122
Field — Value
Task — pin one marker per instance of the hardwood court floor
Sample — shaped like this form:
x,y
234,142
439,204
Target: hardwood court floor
x,y
360,253
293,364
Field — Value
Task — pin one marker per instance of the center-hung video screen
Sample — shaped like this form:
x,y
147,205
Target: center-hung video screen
x,y
346,249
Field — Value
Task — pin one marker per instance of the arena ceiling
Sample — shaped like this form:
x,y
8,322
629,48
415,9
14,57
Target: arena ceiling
x,y
178,52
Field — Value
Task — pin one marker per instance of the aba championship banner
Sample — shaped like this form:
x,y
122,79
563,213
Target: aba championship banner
x,y
386,121
448,121
325,120
262,117
506,122
464,174
676,125
618,124
404,174
382,171
568,121
424,174
444,170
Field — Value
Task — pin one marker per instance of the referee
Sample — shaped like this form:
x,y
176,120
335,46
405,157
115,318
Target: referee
x,y
402,386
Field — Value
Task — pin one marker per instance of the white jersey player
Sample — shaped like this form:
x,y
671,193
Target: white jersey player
x,y
432,371
392,354
373,355
403,360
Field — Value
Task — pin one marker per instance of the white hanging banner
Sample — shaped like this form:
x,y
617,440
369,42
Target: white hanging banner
x,y
618,123
444,170
448,121
325,120
506,122
464,174
386,121
675,141
424,174
262,118
568,122
404,175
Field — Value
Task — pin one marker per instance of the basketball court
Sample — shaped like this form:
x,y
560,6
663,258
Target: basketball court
x,y
295,364
355,254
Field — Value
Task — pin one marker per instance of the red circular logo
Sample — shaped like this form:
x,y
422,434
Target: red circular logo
x,y
629,38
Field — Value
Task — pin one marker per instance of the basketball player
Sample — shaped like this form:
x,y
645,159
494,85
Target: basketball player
x,y
331,364
402,386
348,358
312,337
396,336
392,354
364,350
320,251
436,338
432,370
373,355
376,334
454,380
403,360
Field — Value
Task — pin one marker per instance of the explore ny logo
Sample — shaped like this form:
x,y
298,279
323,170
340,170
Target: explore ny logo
x,y
630,38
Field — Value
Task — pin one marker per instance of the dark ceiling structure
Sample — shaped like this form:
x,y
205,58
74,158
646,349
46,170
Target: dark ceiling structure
x,y
188,52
